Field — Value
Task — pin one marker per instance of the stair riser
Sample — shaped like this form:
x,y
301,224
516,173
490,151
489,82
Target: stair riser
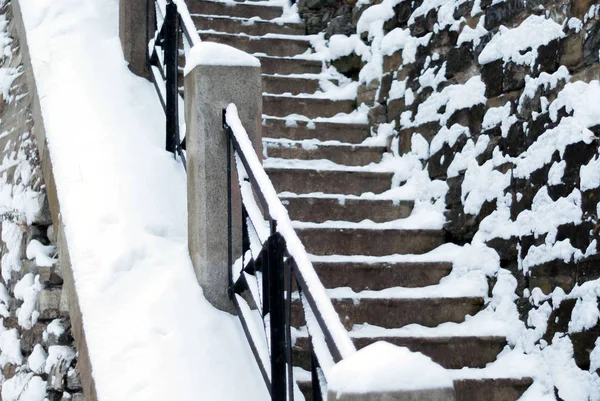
x,y
452,353
333,182
375,277
271,47
349,133
318,210
369,242
395,313
237,26
286,66
346,156
469,390
237,10
295,86
279,106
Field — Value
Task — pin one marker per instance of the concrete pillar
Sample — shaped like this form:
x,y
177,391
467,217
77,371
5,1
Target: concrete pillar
x,y
134,18
385,372
211,85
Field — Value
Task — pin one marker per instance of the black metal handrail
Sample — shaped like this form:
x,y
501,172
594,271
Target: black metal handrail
x,y
170,23
272,258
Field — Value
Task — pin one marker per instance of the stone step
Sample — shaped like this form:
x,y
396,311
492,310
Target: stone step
x,y
246,26
311,107
397,312
288,65
379,276
240,10
304,181
353,155
468,389
491,389
257,44
450,352
318,210
370,242
282,84
300,130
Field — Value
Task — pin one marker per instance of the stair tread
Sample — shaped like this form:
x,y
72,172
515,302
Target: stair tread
x,y
398,312
450,352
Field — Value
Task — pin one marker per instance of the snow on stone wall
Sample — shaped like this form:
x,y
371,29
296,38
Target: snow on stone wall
x,y
500,100
37,352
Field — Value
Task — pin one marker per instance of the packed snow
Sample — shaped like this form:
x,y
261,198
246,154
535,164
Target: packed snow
x,y
123,204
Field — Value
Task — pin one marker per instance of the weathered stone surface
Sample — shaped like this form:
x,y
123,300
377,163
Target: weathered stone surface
x,y
459,59
73,380
48,303
366,93
492,76
591,45
500,13
571,54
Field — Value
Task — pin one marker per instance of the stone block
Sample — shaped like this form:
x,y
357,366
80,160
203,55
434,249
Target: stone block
x,y
550,275
471,117
50,275
580,7
459,59
501,13
395,107
384,88
31,337
513,77
73,380
366,93
492,75
393,61
571,52
48,303
583,344
424,24
591,45
559,319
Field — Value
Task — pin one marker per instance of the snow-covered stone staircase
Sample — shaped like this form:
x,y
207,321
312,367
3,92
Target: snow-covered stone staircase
x,y
319,169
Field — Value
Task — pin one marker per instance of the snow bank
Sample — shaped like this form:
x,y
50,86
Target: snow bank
x,y
151,334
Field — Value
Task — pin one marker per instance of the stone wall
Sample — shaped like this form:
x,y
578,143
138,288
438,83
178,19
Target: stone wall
x,y
37,351
518,125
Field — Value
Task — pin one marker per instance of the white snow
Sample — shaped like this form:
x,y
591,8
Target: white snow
x,y
520,44
41,253
387,368
27,290
123,204
216,54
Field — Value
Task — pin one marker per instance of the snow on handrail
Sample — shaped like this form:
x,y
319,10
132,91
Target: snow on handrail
x,y
189,28
277,211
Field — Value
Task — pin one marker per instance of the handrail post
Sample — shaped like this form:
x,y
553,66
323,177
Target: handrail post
x,y
210,86
276,248
171,35
136,20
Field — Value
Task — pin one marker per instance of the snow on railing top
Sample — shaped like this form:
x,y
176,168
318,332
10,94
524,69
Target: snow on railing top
x,y
187,23
277,212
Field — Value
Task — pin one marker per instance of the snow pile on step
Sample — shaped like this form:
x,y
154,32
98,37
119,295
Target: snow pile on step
x,y
151,335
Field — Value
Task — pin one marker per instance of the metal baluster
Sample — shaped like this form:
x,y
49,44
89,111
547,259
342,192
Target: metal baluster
x,y
314,374
276,249
170,35
289,271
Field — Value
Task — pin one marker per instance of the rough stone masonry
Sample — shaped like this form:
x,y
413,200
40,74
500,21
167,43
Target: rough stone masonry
x,y
37,353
